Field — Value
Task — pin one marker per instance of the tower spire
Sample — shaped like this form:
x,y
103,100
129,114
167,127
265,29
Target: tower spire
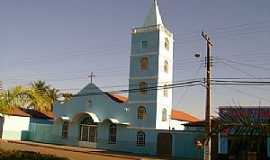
x,y
153,18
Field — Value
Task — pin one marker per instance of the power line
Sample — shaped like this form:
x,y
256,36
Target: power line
x,y
152,88
245,64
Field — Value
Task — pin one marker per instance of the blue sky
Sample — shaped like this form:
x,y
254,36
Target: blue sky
x,y
63,41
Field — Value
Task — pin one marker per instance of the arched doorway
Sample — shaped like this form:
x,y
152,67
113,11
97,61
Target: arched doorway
x,y
164,144
88,132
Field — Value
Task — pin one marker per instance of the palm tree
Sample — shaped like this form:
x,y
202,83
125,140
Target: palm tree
x,y
39,96
40,87
15,97
53,95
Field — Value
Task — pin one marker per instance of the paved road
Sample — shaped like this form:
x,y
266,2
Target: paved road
x,y
65,153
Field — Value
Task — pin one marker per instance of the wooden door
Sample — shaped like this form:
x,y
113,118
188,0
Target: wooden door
x,y
164,144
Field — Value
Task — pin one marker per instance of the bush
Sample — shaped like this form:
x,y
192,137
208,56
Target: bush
x,y
26,155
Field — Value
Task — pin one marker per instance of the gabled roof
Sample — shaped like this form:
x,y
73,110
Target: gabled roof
x,y
153,18
176,115
117,98
23,112
18,112
200,123
182,116
38,114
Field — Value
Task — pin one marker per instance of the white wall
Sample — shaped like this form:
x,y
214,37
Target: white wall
x,y
164,78
1,125
13,127
177,125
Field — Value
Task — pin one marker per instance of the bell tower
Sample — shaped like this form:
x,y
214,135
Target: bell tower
x,y
151,71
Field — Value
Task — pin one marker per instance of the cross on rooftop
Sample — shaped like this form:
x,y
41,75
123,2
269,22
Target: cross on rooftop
x,y
91,76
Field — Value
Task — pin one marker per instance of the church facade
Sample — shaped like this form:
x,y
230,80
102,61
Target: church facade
x,y
144,122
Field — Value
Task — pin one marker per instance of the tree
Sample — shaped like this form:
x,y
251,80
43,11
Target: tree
x,y
15,97
38,96
47,94
246,126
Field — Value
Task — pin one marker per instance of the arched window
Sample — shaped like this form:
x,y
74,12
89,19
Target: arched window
x,y
88,130
140,138
144,63
167,44
112,133
164,114
165,90
143,87
141,113
87,121
144,44
65,130
166,66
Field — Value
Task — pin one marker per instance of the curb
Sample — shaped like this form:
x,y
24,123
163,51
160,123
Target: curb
x,y
73,150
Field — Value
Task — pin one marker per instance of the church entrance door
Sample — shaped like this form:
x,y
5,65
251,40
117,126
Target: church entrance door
x,y
88,133
164,144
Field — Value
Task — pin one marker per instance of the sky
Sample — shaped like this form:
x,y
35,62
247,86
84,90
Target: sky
x,y
63,41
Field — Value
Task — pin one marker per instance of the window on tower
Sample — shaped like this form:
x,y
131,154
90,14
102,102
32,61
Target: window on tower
x,y
140,138
144,63
143,87
65,130
166,66
164,114
141,113
144,44
165,90
167,44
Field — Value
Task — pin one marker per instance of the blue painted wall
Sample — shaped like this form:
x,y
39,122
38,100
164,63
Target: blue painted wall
x,y
100,104
268,147
183,145
137,75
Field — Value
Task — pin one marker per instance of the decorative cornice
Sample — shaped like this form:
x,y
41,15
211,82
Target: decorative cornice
x,y
152,29
143,77
144,54
142,102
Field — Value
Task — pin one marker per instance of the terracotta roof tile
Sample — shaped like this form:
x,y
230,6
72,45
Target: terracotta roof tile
x,y
22,112
182,116
117,98
18,112
38,114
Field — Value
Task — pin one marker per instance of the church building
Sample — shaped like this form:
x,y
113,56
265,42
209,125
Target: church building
x,y
145,122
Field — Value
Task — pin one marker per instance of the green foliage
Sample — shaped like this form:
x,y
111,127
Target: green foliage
x,y
26,155
38,96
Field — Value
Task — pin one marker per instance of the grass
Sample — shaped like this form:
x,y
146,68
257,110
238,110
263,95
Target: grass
x,y
26,155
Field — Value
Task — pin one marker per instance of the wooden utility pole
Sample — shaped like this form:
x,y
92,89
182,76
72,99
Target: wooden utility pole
x,y
207,143
1,86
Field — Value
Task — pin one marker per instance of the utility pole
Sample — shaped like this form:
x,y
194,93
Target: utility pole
x,y
1,86
207,143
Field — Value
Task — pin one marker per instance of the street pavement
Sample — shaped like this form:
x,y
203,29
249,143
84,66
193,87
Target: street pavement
x,y
73,153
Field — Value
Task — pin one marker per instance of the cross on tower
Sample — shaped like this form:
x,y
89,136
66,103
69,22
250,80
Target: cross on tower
x,y
91,76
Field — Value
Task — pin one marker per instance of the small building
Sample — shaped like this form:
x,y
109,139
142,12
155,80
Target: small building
x,y
243,142
228,144
15,125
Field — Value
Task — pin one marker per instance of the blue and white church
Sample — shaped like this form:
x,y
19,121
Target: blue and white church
x,y
145,121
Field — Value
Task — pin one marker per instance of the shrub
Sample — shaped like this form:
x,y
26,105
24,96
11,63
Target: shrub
x,y
26,155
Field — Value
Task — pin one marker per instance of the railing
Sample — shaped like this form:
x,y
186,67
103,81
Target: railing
x,y
152,28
